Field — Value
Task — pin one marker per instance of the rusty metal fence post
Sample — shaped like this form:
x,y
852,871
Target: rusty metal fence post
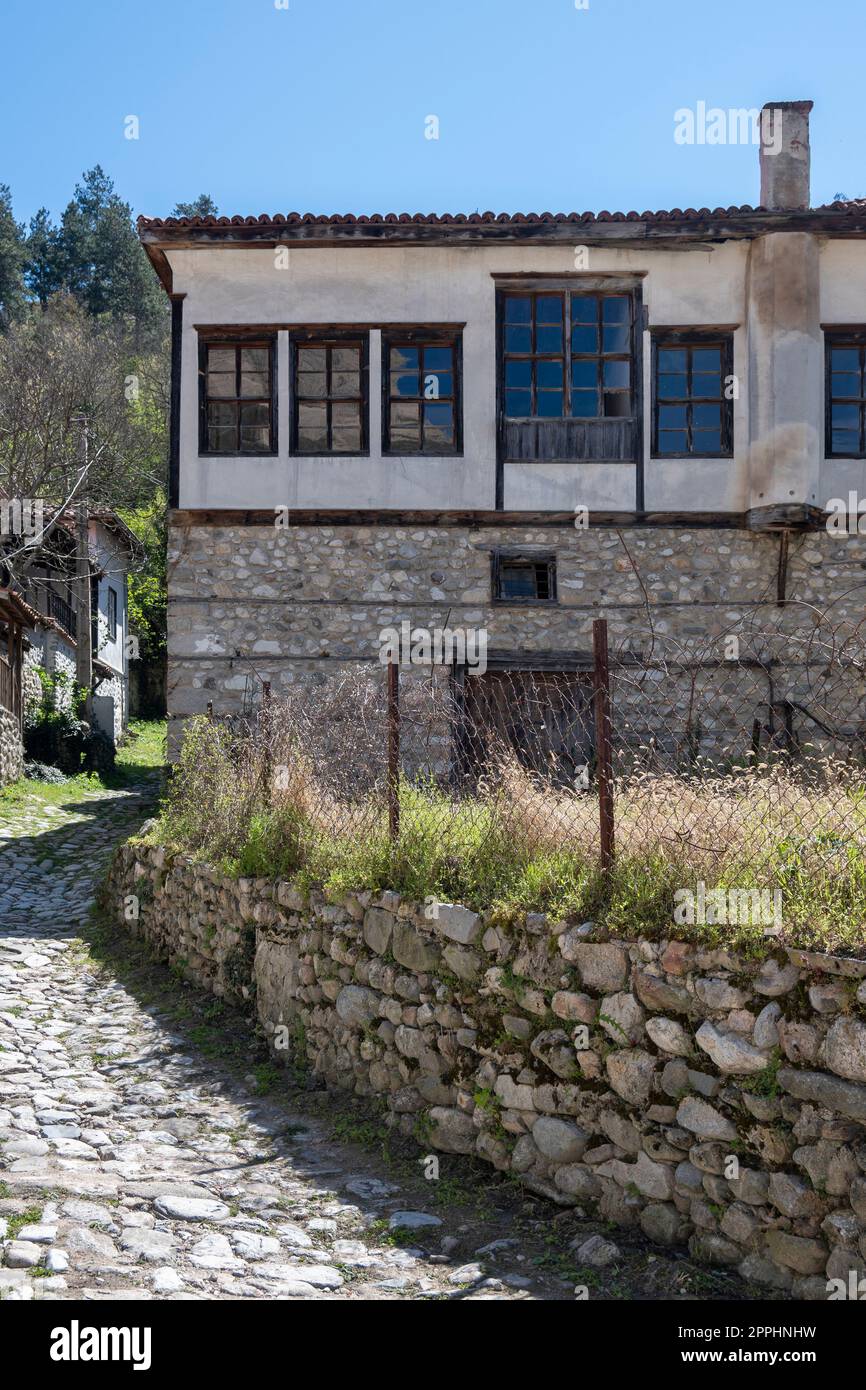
x,y
266,740
393,749
603,746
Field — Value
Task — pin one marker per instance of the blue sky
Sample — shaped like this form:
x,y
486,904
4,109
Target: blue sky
x,y
321,107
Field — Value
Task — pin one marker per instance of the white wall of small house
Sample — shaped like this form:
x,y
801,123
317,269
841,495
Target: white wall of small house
x,y
778,413
112,555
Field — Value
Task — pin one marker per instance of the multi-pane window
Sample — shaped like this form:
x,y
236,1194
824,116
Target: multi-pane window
x,y
524,578
846,398
238,398
567,355
112,615
693,412
421,396
330,397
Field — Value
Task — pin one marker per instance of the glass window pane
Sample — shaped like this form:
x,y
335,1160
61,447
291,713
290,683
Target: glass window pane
x,y
707,360
846,441
548,404
346,439
405,426
345,359
517,581
518,309
312,427
845,359
616,374
221,414
548,340
518,373
584,339
706,442
255,384
254,359
221,440
548,308
255,433
438,359
707,417
672,441
518,339
254,414
672,359
617,404
671,386
841,384
584,404
346,413
345,383
438,384
312,384
584,308
438,423
549,374
404,358
254,440
673,417
518,404
616,337
312,359
616,309
846,417
221,383
705,385
584,374
405,384
221,360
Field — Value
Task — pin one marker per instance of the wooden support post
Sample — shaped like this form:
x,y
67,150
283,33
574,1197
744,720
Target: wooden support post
x,y
393,749
603,746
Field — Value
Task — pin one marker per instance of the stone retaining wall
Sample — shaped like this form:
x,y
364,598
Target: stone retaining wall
x,y
11,749
713,1100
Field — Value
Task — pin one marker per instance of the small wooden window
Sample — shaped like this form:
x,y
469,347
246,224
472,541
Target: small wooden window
x,y
238,400
112,615
692,406
524,578
846,394
329,391
421,395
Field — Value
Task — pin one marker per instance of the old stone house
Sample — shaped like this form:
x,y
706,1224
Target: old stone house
x,y
51,591
515,422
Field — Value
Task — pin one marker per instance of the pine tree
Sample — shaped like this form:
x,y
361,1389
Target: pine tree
x,y
12,258
202,206
43,272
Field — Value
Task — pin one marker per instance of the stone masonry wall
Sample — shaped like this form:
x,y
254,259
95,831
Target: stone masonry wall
x,y
304,601
11,749
710,1099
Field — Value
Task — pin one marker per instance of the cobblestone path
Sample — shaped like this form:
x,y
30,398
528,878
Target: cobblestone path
x,y
138,1162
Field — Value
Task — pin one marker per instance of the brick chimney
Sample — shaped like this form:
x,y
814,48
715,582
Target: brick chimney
x,y
785,154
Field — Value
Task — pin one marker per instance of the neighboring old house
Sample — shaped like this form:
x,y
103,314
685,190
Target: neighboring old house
x,y
51,590
16,620
402,417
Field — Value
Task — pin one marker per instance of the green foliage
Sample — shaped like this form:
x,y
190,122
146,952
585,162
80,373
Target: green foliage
x,y
147,590
12,260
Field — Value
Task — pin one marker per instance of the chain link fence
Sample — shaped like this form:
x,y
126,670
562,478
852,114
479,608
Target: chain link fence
x,y
738,761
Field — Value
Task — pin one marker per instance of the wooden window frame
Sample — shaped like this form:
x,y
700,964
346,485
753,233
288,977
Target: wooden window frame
x,y
111,615
243,338
501,557
691,339
843,336
567,356
418,335
330,338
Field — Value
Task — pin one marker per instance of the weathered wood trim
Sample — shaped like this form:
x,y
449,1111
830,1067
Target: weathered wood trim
x,y
174,400
479,519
